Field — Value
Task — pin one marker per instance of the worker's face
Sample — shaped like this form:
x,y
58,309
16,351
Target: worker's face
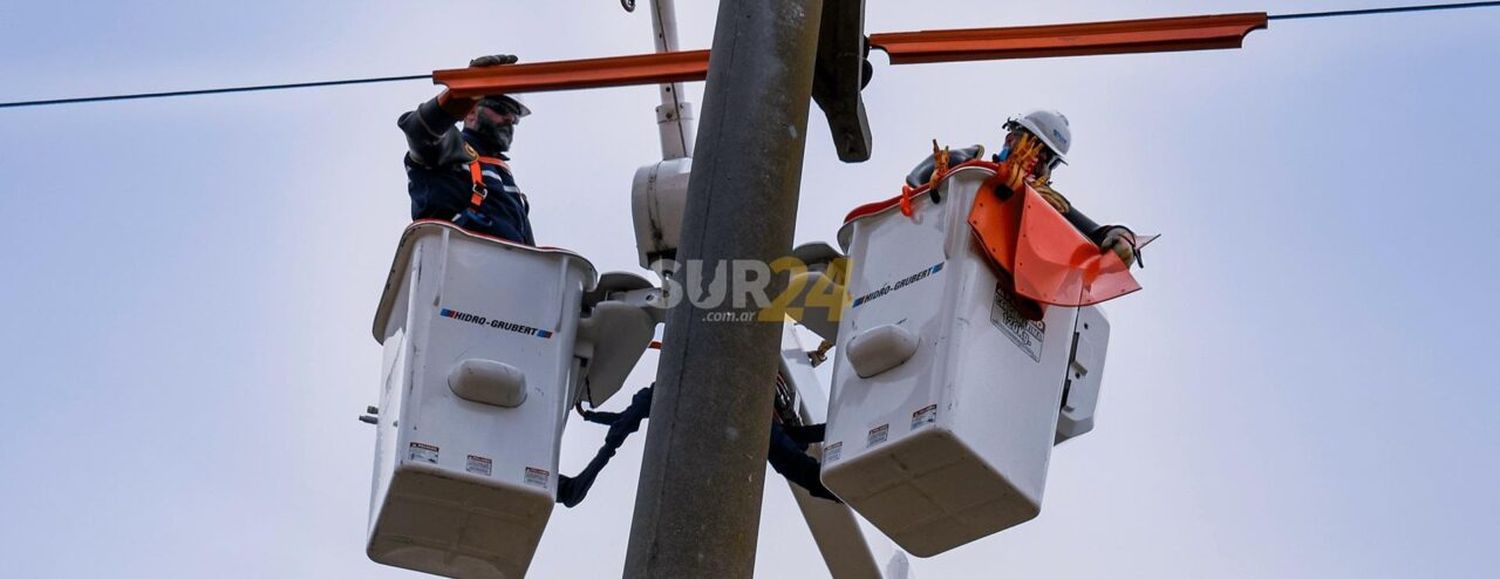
x,y
497,127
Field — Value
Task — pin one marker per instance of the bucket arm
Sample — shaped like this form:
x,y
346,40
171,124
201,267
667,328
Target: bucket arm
x,y
844,546
675,115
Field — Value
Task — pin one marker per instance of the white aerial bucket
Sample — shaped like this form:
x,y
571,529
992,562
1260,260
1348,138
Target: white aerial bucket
x,y
480,371
945,399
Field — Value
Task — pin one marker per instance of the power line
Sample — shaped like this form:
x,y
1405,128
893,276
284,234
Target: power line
x,y
234,89
1390,10
382,79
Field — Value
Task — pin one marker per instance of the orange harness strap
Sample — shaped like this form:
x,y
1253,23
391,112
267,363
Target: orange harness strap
x,y
476,173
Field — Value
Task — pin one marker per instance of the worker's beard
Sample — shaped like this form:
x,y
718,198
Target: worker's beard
x,y
491,137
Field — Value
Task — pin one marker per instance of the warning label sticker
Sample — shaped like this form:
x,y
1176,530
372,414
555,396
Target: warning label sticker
x,y
1027,334
479,465
833,452
924,417
878,435
423,453
537,476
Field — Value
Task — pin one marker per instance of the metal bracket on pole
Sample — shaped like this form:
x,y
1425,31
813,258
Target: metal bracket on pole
x,y
842,72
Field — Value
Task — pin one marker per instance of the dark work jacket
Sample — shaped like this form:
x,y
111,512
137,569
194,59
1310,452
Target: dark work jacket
x,y
439,182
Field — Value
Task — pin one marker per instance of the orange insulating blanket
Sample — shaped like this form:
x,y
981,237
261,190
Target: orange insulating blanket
x,y
1049,260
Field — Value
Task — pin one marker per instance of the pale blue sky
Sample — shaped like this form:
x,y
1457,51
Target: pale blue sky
x,y
1304,389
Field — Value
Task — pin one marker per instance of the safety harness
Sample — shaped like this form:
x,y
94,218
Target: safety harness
x,y
476,173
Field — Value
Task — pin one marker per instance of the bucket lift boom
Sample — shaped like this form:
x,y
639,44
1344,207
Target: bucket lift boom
x,y
844,547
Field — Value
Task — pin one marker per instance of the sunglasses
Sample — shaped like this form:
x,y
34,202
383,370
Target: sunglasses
x,y
1048,159
502,106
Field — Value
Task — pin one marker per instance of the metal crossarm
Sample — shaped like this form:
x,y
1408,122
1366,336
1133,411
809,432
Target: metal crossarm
x,y
1117,37
656,68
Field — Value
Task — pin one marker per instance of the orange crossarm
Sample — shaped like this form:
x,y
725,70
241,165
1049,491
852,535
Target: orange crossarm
x,y
657,68
1117,37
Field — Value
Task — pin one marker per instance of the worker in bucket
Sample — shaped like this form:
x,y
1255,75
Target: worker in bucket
x,y
463,175
1043,138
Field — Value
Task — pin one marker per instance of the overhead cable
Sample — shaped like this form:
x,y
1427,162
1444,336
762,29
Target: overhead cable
x,y
384,79
233,89
1389,10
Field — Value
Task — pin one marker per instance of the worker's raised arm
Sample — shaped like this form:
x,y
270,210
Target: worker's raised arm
x,y
1110,237
431,131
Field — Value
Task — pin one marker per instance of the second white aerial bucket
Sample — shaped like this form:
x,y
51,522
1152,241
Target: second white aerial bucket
x,y
945,398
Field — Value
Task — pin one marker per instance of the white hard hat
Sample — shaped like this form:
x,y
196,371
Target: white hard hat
x,y
525,110
514,98
1050,126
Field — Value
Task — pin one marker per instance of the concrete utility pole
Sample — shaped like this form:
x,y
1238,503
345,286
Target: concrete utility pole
x,y
697,509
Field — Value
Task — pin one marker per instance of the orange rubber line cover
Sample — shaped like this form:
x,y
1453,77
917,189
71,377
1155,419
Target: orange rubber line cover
x,y
1055,264
656,68
995,222
1048,259
1115,37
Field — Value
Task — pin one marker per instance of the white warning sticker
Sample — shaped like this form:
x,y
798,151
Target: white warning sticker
x,y
1027,334
423,453
924,417
878,435
833,452
537,476
479,465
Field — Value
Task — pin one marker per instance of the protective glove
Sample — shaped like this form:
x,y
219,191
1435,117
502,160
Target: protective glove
x,y
493,60
459,107
1122,242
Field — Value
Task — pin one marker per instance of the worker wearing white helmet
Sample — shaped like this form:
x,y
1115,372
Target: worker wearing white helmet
x,y
463,175
1051,129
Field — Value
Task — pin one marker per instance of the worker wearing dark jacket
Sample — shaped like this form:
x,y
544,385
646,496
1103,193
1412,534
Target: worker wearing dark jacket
x,y
463,176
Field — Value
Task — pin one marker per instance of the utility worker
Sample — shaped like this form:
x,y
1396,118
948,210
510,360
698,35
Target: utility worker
x,y
1050,129
463,176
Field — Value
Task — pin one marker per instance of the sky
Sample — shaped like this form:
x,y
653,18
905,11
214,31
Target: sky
x,y
1303,389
